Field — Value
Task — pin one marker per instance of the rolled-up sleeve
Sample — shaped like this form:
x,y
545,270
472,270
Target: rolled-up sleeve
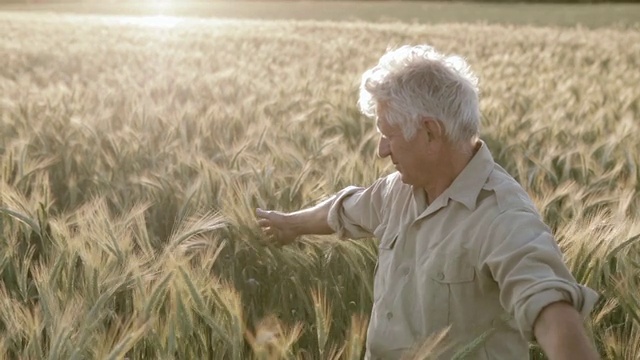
x,y
356,212
528,266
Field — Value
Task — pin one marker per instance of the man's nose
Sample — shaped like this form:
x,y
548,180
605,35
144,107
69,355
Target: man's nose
x,y
384,149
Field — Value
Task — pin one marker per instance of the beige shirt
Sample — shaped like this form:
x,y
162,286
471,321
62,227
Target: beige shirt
x,y
478,258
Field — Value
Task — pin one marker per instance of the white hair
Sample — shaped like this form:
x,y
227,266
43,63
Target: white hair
x,y
417,82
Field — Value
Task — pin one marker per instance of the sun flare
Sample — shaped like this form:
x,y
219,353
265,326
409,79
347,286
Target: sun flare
x,y
157,21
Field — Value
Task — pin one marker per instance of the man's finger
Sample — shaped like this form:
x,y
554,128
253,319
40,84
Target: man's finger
x,y
262,213
264,222
273,241
267,239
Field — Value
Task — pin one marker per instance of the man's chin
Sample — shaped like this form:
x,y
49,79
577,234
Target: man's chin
x,y
404,179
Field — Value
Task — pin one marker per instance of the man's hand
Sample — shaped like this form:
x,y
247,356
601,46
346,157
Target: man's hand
x,y
560,332
284,228
277,226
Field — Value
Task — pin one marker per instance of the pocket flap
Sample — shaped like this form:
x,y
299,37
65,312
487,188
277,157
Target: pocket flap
x,y
388,242
452,269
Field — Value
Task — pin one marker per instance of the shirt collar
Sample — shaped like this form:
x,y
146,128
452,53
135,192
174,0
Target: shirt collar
x,y
468,184
464,189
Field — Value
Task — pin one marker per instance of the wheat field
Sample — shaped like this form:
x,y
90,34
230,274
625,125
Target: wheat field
x,y
133,155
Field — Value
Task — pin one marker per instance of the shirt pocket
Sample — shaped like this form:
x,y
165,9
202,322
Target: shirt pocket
x,y
446,291
388,242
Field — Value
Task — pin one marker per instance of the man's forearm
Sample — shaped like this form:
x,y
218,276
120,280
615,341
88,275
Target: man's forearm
x,y
560,332
312,220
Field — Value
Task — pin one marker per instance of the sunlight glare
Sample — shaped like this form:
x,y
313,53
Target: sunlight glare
x,y
158,21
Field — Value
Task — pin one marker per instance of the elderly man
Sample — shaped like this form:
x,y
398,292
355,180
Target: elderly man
x,y
462,246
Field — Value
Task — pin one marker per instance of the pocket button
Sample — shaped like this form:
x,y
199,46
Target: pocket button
x,y
440,275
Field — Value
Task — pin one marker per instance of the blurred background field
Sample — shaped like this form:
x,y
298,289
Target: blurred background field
x,y
133,151
518,13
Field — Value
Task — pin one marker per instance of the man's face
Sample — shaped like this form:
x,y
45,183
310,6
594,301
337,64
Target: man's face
x,y
410,157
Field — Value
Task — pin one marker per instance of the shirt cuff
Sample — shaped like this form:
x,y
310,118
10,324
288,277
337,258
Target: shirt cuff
x,y
336,217
582,298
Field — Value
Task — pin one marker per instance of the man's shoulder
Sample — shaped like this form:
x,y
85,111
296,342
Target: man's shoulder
x,y
392,183
508,209
508,193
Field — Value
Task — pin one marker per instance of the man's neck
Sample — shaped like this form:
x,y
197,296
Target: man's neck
x,y
449,166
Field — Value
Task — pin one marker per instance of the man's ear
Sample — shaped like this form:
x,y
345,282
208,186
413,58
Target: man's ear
x,y
434,129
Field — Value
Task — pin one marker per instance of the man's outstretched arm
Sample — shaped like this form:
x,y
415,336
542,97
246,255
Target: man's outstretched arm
x,y
560,332
283,228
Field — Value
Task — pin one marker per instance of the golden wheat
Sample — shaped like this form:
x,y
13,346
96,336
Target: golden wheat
x,y
132,157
